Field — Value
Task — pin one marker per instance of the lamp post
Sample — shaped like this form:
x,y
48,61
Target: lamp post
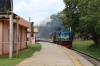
x,y
69,27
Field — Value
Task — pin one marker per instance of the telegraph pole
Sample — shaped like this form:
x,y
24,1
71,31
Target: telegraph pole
x,y
11,31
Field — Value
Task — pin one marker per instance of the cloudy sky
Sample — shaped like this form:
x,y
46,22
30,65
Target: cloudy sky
x,y
37,10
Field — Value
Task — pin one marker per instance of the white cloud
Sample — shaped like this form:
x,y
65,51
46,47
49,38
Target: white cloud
x,y
20,7
38,9
39,16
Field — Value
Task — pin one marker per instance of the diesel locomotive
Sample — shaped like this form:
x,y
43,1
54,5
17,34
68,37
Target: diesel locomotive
x,y
62,38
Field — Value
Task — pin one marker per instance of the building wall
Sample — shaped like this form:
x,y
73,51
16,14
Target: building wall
x,y
0,37
4,37
23,38
20,37
33,40
23,22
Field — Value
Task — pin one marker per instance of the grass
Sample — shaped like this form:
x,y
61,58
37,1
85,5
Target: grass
x,y
4,60
87,47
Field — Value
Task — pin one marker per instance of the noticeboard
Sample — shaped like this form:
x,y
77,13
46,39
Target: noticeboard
x,y
5,6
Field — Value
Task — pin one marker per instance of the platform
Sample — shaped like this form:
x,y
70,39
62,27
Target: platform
x,y
55,55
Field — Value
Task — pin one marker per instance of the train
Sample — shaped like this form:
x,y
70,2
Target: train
x,y
62,38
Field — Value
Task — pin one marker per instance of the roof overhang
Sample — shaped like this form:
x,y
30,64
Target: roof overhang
x,y
5,16
23,22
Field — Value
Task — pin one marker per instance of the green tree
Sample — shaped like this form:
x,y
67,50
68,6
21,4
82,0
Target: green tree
x,y
84,17
71,15
90,18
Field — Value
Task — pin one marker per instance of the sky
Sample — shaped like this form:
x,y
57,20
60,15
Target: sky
x,y
37,10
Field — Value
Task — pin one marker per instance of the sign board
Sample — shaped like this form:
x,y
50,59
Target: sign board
x,y
5,6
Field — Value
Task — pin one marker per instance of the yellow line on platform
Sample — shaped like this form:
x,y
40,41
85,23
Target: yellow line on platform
x,y
75,61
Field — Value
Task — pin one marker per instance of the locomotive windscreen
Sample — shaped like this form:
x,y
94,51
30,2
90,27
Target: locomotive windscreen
x,y
5,5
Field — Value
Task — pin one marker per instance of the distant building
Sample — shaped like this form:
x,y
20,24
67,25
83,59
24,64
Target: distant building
x,y
32,40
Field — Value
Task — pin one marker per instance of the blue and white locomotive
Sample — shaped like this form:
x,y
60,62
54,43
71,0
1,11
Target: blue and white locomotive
x,y
63,38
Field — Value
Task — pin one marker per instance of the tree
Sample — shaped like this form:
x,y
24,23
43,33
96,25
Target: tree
x,y
90,18
84,17
71,15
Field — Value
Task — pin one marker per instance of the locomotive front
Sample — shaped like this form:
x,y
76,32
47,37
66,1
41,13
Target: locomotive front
x,y
64,38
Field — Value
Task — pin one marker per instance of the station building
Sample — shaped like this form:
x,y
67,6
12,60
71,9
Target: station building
x,y
4,34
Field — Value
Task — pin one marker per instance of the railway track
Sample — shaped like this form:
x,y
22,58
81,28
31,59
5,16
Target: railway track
x,y
92,59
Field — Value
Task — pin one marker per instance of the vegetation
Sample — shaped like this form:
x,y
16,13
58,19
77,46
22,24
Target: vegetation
x,y
87,47
4,60
35,26
84,18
